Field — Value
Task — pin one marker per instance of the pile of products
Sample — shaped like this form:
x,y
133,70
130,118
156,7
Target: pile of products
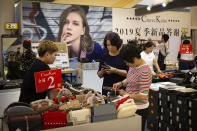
x,y
72,106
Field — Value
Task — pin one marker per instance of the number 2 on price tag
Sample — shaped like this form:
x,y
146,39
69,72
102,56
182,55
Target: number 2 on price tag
x,y
52,80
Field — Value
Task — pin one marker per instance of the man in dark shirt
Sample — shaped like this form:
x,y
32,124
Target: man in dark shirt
x,y
47,53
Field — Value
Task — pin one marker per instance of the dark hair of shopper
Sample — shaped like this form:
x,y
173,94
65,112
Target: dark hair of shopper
x,y
27,44
133,42
47,46
114,38
186,42
165,37
128,52
149,44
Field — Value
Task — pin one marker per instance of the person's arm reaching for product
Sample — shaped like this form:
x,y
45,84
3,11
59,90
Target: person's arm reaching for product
x,y
156,65
116,86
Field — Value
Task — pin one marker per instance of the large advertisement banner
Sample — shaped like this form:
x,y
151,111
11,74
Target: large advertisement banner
x,y
152,26
41,21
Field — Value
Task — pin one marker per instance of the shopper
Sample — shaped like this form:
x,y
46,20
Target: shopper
x,y
18,54
163,51
13,66
27,57
111,67
149,57
138,80
186,61
47,54
74,30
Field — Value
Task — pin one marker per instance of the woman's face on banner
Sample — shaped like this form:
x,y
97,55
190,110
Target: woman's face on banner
x,y
73,28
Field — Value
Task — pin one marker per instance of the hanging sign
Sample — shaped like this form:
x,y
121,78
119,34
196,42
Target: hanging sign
x,y
9,26
186,49
50,79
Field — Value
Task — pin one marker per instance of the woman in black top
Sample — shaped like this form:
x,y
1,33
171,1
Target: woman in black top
x,y
27,57
47,53
111,67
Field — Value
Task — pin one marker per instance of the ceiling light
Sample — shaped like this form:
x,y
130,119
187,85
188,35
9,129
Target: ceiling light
x,y
164,4
16,4
149,7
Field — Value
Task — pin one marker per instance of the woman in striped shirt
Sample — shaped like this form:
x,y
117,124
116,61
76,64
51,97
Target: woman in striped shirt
x,y
138,79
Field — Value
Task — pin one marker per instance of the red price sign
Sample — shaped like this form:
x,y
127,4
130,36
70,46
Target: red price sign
x,y
50,79
186,49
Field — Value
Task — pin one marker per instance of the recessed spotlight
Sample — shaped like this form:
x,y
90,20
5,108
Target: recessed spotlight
x,y
164,4
149,7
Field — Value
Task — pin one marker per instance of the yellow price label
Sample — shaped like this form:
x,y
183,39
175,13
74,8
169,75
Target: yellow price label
x,y
9,26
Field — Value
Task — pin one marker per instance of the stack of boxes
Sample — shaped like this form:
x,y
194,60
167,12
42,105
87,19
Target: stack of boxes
x,y
154,110
172,110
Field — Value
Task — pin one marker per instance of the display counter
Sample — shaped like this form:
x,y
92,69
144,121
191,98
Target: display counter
x,y
127,124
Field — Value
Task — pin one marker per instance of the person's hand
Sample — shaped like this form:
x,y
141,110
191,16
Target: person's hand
x,y
153,73
101,72
111,70
159,41
116,86
160,72
64,38
122,92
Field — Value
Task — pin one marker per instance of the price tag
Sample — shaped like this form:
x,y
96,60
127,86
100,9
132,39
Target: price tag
x,y
9,26
50,79
186,49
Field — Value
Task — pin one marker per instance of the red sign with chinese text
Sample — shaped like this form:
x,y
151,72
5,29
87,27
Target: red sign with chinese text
x,y
50,79
186,49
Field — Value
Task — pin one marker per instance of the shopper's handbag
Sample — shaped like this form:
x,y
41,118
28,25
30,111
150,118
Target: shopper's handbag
x,y
63,96
81,98
54,119
21,116
43,105
126,109
121,100
78,117
103,112
71,105
93,98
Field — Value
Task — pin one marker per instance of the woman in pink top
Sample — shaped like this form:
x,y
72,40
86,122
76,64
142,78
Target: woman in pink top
x,y
138,79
